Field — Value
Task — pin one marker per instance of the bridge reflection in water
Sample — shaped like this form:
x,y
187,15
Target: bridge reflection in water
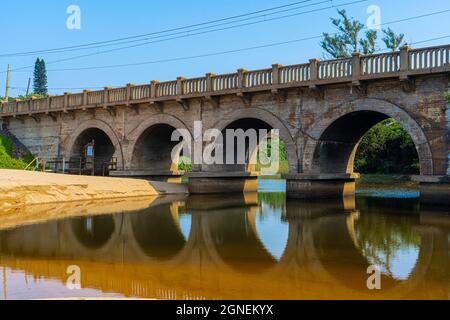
x,y
241,247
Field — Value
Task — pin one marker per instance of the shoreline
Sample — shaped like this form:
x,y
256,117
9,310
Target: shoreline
x,y
24,188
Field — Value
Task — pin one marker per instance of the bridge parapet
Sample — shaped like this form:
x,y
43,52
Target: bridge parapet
x,y
402,64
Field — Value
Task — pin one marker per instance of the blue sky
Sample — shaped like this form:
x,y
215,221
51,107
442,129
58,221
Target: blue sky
x,y
35,25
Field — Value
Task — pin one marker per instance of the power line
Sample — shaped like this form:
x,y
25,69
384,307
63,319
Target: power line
x,y
96,87
189,35
232,51
200,26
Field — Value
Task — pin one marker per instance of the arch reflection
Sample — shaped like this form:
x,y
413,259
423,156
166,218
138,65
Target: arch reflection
x,y
93,232
389,241
161,232
232,228
271,224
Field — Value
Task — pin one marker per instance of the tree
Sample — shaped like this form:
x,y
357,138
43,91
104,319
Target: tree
x,y
447,96
369,44
346,41
392,40
40,78
387,148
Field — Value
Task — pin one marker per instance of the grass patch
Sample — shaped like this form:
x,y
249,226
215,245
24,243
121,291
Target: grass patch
x,y
7,161
373,180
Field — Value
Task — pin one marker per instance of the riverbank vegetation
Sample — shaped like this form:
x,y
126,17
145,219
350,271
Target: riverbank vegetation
x,y
7,160
387,149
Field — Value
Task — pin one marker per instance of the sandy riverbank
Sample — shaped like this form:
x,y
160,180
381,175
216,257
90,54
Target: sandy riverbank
x,y
20,188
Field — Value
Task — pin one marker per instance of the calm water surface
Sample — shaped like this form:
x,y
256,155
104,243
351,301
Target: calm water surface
x,y
257,246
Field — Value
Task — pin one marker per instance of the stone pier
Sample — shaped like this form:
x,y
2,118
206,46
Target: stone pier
x,y
222,182
320,186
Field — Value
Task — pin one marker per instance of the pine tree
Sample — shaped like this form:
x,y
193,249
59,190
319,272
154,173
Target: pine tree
x,y
391,40
346,41
369,44
40,77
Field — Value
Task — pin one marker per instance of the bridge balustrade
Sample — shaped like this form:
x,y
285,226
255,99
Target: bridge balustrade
x,y
258,78
140,92
57,102
75,100
192,86
295,73
95,97
427,58
404,63
225,82
39,105
166,89
380,64
117,95
335,69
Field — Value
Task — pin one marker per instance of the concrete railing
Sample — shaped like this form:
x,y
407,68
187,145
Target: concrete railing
x,y
402,64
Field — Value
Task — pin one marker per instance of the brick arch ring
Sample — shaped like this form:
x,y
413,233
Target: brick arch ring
x,y
136,133
107,129
376,105
273,121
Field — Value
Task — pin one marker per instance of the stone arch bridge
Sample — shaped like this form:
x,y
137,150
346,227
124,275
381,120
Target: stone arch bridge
x,y
321,109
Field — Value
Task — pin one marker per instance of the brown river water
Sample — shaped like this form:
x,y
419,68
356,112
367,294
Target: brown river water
x,y
257,246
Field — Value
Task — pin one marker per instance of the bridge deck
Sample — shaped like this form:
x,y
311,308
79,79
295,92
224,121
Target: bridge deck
x,y
402,64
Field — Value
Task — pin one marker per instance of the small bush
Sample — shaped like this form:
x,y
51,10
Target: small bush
x,y
7,161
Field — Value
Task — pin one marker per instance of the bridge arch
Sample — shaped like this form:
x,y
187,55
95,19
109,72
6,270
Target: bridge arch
x,y
151,141
90,130
271,121
333,140
158,232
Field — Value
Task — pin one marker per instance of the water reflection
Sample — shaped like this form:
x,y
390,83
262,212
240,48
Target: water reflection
x,y
93,232
271,224
158,231
246,247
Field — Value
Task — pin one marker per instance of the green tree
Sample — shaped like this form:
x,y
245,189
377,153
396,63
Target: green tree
x,y
387,148
447,96
3,99
369,44
346,41
31,95
392,40
40,78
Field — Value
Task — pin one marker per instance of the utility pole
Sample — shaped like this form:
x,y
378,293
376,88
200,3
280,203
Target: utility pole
x,y
7,82
28,86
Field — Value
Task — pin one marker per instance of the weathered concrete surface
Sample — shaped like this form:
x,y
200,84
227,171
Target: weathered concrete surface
x,y
222,182
325,186
18,188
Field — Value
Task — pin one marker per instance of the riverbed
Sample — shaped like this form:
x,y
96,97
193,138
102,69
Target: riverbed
x,y
253,246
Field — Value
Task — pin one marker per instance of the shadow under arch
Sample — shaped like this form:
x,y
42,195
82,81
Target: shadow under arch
x,y
93,232
262,119
230,234
158,233
334,138
107,143
151,146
